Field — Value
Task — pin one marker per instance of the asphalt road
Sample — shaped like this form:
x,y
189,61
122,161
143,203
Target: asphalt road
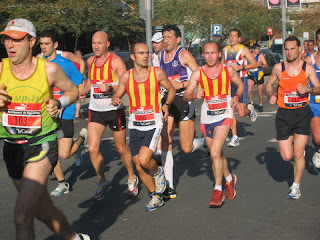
x,y
260,210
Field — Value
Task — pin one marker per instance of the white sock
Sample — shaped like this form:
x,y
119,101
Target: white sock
x,y
216,187
167,163
197,143
295,185
159,152
229,178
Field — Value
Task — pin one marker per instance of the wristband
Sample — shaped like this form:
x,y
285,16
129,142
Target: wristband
x,y
64,101
58,104
311,90
238,97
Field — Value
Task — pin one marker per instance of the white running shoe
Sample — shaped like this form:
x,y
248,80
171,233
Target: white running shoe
x,y
133,190
159,181
316,159
156,202
63,188
84,133
253,114
234,142
83,236
294,193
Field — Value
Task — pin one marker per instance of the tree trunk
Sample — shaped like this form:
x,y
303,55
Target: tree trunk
x,y
76,43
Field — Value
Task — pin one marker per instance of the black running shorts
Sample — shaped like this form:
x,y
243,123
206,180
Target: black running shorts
x,y
16,156
290,121
115,119
67,128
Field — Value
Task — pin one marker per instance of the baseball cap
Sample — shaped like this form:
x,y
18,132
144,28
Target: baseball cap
x,y
18,28
157,37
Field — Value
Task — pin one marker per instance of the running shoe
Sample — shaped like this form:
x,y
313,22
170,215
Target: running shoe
x,y
169,193
260,108
253,114
83,236
234,142
159,181
78,159
316,159
156,202
217,198
230,189
294,193
63,188
84,133
133,190
102,187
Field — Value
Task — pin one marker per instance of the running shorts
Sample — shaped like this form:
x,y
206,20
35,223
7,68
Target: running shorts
x,y
208,129
115,119
315,108
290,121
139,138
65,128
16,156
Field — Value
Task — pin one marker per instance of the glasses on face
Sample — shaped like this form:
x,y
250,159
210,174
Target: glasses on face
x,y
143,53
16,42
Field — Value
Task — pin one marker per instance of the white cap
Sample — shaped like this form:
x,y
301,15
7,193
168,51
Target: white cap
x,y
18,28
157,37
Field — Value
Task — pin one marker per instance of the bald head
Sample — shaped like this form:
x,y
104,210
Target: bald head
x,y
211,43
100,43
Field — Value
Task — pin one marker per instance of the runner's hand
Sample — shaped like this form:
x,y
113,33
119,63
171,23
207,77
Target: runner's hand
x,y
115,101
165,109
302,89
51,107
3,95
234,102
82,96
273,99
200,94
104,87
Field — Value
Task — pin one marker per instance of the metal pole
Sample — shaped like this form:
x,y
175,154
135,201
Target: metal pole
x,y
148,8
284,18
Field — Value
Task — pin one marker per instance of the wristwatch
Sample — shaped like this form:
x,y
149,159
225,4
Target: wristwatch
x,y
58,104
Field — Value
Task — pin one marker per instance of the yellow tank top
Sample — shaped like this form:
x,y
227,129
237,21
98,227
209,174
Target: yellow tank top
x,y
24,116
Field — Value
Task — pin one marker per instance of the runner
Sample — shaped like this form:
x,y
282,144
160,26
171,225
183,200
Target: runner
x,y
305,49
142,84
310,50
28,128
67,148
238,56
294,114
105,69
314,59
157,44
255,76
78,102
213,81
178,64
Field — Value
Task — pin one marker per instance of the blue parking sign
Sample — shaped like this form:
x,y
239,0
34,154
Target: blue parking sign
x,y
216,30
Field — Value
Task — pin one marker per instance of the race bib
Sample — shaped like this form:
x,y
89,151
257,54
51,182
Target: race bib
x,y
217,105
143,116
175,78
293,99
22,119
56,93
96,92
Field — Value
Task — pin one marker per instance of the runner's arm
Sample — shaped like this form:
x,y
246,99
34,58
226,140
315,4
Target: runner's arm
x,y
235,78
74,58
262,61
118,67
121,90
272,79
312,75
189,61
189,94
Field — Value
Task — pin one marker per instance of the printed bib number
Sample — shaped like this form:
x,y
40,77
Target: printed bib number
x,y
96,92
22,119
217,105
143,116
56,93
293,99
175,78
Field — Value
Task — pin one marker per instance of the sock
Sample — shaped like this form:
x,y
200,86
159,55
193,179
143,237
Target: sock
x,y
234,136
216,187
159,152
63,181
295,185
197,143
260,105
167,163
229,178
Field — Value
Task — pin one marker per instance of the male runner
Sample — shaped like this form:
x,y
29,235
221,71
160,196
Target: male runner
x,y
178,64
28,128
305,49
310,50
157,44
238,56
255,76
142,84
213,81
67,148
294,114
105,70
314,60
